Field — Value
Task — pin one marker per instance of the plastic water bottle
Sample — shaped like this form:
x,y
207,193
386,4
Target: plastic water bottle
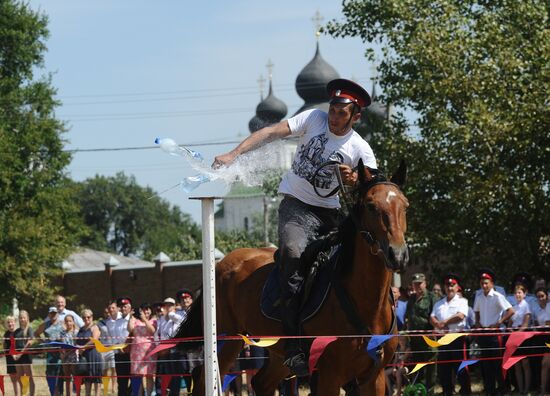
x,y
190,183
171,147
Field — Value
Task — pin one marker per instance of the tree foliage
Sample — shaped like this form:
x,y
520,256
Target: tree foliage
x,y
38,221
129,219
477,74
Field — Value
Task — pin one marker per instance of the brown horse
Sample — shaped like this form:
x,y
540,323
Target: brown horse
x,y
374,238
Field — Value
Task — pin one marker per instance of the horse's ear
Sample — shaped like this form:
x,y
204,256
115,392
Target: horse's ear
x,y
400,175
363,173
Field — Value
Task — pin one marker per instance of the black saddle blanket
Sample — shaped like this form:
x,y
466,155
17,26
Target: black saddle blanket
x,y
315,290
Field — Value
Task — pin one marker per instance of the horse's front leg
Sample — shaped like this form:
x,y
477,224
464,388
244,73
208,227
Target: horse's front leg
x,y
375,387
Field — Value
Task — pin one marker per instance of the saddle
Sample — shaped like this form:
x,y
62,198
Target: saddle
x,y
321,258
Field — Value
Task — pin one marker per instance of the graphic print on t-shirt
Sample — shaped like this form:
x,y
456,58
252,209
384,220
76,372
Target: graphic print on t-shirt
x,y
310,157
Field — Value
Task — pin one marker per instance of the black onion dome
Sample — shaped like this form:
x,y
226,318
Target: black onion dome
x,y
256,123
312,81
271,108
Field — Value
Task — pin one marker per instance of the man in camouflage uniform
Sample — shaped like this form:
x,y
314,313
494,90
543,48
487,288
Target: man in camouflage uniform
x,y
417,317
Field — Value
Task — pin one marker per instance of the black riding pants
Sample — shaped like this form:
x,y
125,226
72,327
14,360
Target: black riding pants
x,y
299,224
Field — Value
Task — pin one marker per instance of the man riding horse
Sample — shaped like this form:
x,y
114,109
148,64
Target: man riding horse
x,y
303,213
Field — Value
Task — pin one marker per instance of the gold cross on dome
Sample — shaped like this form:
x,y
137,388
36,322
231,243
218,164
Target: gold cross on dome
x,y
317,19
269,66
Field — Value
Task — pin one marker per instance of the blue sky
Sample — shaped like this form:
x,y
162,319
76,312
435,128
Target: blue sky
x,y
129,71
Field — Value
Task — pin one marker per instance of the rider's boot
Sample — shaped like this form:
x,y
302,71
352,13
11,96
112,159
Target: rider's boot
x,y
295,358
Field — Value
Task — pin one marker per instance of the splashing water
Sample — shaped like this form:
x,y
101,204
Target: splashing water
x,y
249,168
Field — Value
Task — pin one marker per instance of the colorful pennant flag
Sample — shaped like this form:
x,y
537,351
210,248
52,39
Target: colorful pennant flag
x,y
24,384
102,348
418,367
514,341
317,348
510,362
52,383
77,384
62,345
164,382
375,342
158,348
445,340
2,385
105,381
466,363
548,345
266,342
136,384
227,379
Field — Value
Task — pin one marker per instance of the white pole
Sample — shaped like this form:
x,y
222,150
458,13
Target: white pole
x,y
212,379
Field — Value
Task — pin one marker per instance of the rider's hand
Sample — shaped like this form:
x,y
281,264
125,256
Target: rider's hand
x,y
223,160
349,177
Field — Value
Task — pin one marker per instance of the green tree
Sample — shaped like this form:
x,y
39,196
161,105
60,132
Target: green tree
x,y
476,73
126,218
38,221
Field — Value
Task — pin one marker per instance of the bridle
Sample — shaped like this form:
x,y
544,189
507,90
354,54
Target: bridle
x,y
376,247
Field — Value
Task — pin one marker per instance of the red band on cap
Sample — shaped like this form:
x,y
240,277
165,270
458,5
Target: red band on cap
x,y
485,275
452,281
342,93
185,295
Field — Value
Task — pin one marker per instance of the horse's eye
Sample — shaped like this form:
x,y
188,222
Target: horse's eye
x,y
372,208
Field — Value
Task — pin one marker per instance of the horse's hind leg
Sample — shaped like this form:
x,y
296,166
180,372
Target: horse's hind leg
x,y
267,379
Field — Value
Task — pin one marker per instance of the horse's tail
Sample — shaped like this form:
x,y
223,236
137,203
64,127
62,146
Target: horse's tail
x,y
191,327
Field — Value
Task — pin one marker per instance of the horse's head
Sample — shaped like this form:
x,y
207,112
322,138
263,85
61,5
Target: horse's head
x,y
382,210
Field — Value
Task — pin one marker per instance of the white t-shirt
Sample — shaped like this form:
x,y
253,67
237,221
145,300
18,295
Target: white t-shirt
x,y
444,309
490,307
521,309
316,146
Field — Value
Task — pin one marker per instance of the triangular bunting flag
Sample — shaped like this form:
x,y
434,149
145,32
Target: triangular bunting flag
x,y
24,384
266,342
375,342
136,384
445,340
2,384
105,381
77,384
466,363
418,367
164,382
317,348
227,379
548,345
52,383
510,362
102,348
157,349
514,341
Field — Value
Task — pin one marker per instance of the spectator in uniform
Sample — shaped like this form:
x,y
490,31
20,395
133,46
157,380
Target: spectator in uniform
x,y
119,336
449,315
488,308
417,317
520,321
169,361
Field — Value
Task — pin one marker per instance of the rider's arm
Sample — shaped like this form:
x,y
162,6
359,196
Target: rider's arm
x,y
255,140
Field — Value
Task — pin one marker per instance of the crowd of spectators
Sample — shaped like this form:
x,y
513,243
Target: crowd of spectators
x,y
134,332
489,315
